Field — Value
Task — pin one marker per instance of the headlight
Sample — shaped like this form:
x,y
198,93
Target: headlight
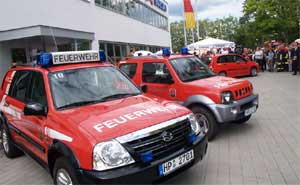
x,y
227,97
110,154
194,124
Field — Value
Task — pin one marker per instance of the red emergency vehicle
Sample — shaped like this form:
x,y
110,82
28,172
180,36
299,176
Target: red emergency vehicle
x,y
86,122
233,65
184,79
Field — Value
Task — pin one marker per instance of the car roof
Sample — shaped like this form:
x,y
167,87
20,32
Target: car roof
x,y
156,58
61,67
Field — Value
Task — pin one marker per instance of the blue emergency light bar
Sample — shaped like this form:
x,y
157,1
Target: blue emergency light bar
x,y
74,57
184,51
166,52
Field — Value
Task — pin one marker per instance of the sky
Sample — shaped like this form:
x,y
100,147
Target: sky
x,y
207,9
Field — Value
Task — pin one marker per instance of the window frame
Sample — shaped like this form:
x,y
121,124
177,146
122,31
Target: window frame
x,y
155,63
27,89
34,75
134,64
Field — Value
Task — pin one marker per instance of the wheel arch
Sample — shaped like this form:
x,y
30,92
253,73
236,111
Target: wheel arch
x,y
58,149
199,100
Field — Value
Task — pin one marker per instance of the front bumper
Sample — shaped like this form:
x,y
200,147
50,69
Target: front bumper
x,y
234,111
141,174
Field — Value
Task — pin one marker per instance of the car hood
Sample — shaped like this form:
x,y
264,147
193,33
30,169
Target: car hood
x,y
214,86
109,120
217,82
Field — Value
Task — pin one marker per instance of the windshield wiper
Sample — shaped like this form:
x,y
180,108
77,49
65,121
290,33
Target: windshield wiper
x,y
81,103
120,95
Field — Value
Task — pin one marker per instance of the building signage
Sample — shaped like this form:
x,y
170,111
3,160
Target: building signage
x,y
75,57
161,5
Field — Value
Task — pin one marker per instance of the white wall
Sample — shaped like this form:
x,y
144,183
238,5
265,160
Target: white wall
x,y
80,15
5,60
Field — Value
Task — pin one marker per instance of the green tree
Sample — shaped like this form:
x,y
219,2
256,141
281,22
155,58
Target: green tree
x,y
266,20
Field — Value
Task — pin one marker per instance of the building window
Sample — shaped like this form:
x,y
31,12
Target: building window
x,y
136,10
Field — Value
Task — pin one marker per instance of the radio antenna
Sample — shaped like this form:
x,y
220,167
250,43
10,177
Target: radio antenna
x,y
53,37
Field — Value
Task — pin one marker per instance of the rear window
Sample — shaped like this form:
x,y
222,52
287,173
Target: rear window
x,y
129,69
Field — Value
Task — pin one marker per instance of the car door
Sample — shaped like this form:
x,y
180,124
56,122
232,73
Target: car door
x,y
130,69
15,102
156,76
225,64
34,125
28,128
243,68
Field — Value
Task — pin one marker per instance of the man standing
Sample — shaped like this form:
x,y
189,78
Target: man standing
x,y
295,55
259,56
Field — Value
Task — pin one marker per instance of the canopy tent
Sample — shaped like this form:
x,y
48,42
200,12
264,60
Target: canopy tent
x,y
211,43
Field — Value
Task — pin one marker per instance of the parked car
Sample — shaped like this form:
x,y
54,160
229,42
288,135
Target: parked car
x,y
185,80
233,65
86,122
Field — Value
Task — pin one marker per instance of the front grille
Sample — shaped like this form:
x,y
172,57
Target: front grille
x,y
243,92
246,106
155,144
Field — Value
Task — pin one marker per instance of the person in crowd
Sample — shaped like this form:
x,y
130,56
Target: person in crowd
x,y
295,56
259,56
270,59
131,53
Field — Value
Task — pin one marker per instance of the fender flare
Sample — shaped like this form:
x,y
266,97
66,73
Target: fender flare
x,y
57,149
205,102
198,99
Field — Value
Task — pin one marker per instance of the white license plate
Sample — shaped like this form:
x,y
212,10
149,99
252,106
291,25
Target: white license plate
x,y
250,111
176,163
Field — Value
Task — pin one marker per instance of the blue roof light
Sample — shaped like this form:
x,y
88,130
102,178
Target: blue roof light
x,y
102,56
44,59
166,52
184,51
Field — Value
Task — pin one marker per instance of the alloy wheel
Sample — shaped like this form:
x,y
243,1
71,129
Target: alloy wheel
x,y
203,121
63,177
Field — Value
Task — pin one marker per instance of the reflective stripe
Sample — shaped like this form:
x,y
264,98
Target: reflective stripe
x,y
57,135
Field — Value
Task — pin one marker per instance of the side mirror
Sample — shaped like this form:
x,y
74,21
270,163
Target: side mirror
x,y
34,109
144,88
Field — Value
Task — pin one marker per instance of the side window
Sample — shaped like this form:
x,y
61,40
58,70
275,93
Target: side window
x,y
222,60
37,90
156,73
129,69
20,85
239,59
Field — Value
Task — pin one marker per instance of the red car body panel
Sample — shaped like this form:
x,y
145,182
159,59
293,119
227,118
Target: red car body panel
x,y
210,87
231,67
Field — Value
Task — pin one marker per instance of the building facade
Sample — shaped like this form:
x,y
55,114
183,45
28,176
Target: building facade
x,y
33,26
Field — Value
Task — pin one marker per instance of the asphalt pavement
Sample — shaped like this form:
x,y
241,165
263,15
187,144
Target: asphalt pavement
x,y
266,150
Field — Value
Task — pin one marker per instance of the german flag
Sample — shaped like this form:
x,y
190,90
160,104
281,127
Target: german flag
x,y
190,21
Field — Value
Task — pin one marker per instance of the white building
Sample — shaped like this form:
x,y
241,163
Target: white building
x,y
31,26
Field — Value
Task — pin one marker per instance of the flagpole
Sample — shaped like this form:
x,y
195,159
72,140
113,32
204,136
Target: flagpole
x,y
184,29
197,21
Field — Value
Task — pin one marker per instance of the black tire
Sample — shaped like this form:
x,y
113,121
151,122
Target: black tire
x,y
63,165
223,73
253,72
9,148
213,125
243,120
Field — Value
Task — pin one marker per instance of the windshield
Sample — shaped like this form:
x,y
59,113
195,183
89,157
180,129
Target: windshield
x,y
190,69
78,87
